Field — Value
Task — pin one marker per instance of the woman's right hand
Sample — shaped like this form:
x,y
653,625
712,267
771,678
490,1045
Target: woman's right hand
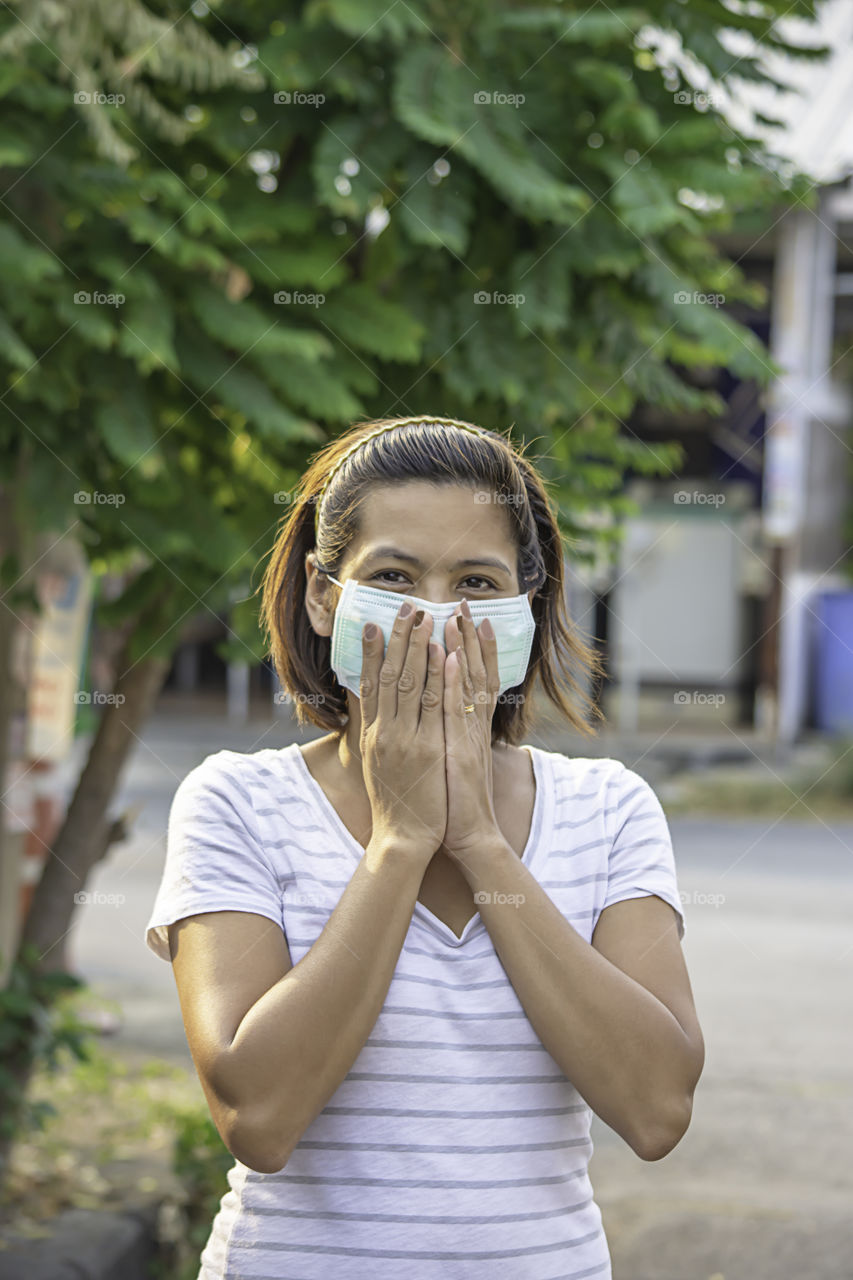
x,y
402,735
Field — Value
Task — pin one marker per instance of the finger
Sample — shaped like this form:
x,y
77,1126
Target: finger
x,y
372,649
410,685
489,650
475,683
392,665
453,713
432,697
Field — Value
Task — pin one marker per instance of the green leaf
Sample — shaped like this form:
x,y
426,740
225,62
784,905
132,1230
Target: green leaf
x,y
438,213
243,326
370,323
125,425
14,350
146,335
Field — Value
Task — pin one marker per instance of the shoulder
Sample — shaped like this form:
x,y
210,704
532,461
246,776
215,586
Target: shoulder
x,y
231,777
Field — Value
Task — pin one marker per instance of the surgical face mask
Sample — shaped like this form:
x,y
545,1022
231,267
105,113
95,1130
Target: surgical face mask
x,y
511,618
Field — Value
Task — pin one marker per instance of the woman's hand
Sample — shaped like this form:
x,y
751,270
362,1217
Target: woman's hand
x,y
470,678
402,733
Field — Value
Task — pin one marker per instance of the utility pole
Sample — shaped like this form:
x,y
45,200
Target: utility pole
x,y
804,468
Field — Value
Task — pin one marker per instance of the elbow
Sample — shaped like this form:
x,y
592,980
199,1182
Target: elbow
x,y
256,1149
655,1143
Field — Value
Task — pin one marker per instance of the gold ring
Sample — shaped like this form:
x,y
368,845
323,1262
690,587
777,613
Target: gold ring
x,y
471,708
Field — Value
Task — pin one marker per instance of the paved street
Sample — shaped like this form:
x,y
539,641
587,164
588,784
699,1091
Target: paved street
x,y
761,1185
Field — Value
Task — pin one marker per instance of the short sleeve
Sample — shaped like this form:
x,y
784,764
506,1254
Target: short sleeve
x,y
215,859
641,859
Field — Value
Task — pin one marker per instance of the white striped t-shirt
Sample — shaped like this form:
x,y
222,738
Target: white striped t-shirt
x,y
455,1144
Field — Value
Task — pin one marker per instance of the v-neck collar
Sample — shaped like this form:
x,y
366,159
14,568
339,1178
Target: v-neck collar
x,y
335,823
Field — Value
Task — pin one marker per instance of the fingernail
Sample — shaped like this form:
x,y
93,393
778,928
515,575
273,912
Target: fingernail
x,y
487,629
370,630
466,608
406,609
419,617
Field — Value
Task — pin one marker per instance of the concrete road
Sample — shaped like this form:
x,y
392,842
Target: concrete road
x,y
761,1186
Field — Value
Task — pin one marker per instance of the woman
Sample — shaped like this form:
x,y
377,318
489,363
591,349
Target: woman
x,y
412,957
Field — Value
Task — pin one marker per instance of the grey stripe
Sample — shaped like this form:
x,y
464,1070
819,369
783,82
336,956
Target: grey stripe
x,y
454,1115
575,1275
409,1148
567,884
566,797
278,844
417,1184
451,986
330,1215
455,1017
229,800
500,1254
580,848
538,1047
442,1079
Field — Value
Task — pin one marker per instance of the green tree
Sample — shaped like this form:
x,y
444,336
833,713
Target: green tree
x,y
227,232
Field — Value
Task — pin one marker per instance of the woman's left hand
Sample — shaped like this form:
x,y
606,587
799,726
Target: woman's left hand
x,y
470,678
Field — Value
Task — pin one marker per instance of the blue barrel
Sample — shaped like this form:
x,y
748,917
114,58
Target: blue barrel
x,y
834,662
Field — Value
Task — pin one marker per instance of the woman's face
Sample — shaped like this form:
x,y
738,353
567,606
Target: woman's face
x,y
439,543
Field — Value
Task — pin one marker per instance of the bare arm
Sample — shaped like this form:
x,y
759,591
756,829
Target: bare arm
x,y
271,1041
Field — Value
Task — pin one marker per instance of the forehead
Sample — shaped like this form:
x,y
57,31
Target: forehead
x,y
455,518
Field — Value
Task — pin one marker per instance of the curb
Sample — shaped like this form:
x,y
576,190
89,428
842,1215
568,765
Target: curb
x,y
86,1244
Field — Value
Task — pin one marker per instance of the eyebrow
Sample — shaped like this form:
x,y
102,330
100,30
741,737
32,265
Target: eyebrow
x,y
396,554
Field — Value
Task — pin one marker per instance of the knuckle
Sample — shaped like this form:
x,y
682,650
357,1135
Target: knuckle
x,y
387,674
406,681
429,699
365,686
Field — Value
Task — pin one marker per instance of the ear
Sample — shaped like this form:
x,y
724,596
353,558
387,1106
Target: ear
x,y
319,597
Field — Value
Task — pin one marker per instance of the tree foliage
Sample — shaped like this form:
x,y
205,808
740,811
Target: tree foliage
x,y
295,213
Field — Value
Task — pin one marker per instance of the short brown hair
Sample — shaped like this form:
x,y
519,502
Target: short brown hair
x,y
428,450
